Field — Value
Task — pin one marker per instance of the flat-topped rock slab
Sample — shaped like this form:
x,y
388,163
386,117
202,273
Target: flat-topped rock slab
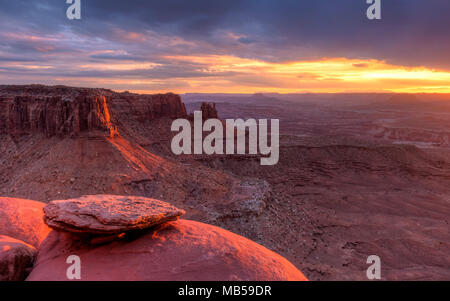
x,y
108,214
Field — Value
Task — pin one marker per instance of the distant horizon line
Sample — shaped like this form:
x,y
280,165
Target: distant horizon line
x,y
227,93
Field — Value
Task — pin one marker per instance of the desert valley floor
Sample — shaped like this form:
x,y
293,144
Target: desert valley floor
x,y
359,174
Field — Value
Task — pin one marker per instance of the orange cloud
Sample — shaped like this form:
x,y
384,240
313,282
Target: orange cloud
x,y
230,74
324,75
130,35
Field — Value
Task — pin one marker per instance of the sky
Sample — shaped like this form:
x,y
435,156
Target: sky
x,y
228,46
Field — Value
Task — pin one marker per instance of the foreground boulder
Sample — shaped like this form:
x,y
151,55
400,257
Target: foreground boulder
x,y
23,220
108,214
16,259
176,251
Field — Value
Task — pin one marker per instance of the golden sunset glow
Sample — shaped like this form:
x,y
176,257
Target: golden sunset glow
x,y
229,74
118,67
239,75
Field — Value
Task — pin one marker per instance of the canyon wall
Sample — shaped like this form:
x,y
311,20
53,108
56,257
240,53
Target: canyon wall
x,y
66,111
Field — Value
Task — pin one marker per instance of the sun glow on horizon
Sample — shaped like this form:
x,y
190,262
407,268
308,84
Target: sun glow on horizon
x,y
231,74
327,75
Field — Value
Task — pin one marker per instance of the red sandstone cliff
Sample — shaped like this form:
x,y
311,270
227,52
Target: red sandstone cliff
x,y
66,111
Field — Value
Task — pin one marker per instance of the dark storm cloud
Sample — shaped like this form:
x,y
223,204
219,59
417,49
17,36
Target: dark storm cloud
x,y
119,57
161,73
312,28
16,59
412,32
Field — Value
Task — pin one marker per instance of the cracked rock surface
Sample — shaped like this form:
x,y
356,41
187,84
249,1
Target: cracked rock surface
x,y
108,214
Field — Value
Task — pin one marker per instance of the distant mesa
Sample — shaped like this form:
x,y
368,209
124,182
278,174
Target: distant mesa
x,y
403,98
209,111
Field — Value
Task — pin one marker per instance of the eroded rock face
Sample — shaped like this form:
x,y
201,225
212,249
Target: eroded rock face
x,y
108,214
209,111
146,107
55,116
177,251
23,219
65,111
16,259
